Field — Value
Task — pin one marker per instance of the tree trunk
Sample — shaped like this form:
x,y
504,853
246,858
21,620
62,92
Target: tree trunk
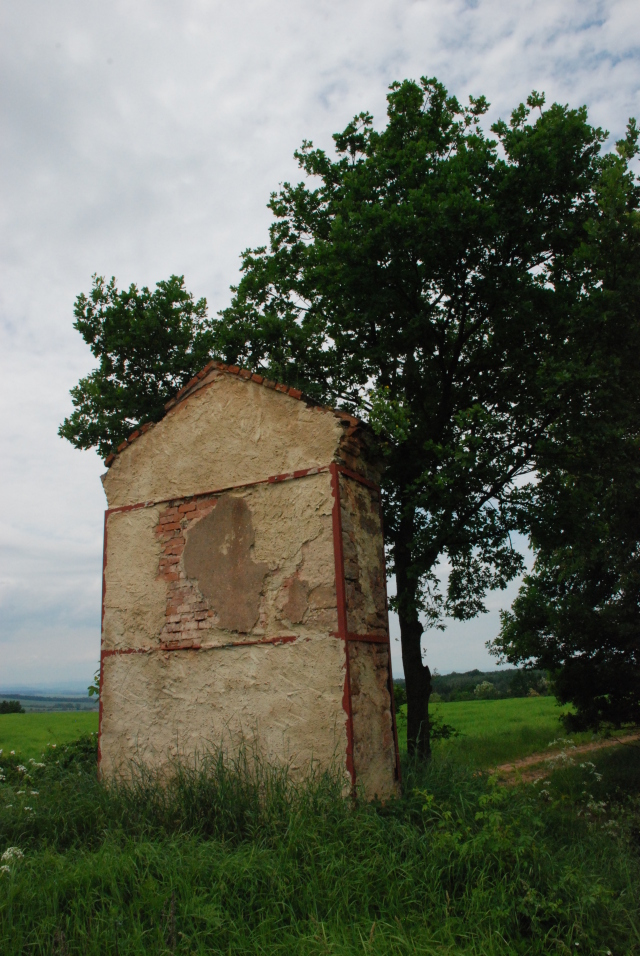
x,y
417,675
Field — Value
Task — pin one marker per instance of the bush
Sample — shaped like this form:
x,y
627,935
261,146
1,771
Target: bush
x,y
11,707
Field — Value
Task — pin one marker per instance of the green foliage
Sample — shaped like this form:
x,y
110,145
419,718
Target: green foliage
x,y
507,682
475,295
94,688
148,344
578,612
459,289
239,859
11,707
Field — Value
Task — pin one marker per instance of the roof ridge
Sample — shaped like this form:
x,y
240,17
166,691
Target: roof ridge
x,y
244,374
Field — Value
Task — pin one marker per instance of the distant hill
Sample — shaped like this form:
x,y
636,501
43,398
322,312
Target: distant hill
x,y
488,685
49,703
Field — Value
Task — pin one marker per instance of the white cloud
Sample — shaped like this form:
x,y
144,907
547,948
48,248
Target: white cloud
x,y
141,139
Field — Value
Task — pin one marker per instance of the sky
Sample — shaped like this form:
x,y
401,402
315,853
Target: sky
x,y
142,139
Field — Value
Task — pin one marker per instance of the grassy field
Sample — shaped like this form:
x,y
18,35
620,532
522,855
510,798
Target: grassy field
x,y
497,731
29,734
240,860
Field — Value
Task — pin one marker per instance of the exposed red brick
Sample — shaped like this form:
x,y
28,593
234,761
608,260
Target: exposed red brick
x,y
123,446
145,428
257,378
171,526
174,548
281,388
295,393
171,576
188,506
234,369
244,373
109,459
268,383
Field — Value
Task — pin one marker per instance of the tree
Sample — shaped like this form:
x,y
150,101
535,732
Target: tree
x,y
149,344
449,286
445,284
578,612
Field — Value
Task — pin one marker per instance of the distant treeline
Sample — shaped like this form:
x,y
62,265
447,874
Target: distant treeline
x,y
21,703
483,685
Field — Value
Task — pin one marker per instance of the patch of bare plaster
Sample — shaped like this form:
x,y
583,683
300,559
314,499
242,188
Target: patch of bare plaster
x,y
218,554
297,603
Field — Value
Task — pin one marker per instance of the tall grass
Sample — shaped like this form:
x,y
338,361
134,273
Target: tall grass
x,y
237,858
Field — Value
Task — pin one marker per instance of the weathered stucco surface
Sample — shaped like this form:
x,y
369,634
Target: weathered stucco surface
x,y
363,548
135,597
285,698
221,607
265,569
229,432
374,754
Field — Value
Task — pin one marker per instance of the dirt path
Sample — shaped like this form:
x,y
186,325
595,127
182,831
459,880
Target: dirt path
x,y
539,765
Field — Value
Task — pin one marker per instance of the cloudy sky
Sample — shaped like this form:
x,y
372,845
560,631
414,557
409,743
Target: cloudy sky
x,y
141,139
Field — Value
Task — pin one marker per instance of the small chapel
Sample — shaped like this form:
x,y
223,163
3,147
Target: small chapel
x,y
244,587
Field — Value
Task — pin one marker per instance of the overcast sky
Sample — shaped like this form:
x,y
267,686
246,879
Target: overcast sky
x,y
141,139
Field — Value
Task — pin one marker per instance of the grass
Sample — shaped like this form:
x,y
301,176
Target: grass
x,y
497,731
242,860
29,734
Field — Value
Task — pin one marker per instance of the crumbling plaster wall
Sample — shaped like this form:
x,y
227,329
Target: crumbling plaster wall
x,y
229,432
152,600
374,744
220,613
286,698
363,548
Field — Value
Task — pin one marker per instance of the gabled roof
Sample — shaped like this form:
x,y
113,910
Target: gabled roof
x,y
351,423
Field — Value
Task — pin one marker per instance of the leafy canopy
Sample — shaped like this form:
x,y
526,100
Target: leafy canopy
x,y
453,287
149,344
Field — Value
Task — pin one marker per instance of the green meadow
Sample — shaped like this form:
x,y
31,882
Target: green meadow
x,y
240,859
493,732
30,734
